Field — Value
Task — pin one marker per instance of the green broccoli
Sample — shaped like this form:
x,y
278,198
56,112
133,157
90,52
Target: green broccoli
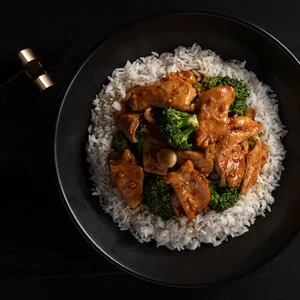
x,y
239,105
157,196
140,137
120,142
251,143
222,198
176,126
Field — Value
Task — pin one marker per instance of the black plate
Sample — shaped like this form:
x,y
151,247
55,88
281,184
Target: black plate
x,y
273,64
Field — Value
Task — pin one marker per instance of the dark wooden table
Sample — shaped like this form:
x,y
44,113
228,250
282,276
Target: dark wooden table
x,y
40,248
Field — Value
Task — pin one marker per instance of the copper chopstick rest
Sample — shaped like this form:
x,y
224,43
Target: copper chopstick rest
x,y
34,69
42,81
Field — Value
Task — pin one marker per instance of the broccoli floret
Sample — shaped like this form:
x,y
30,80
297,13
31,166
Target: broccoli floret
x,y
239,105
157,197
176,126
140,135
120,142
212,82
222,198
251,143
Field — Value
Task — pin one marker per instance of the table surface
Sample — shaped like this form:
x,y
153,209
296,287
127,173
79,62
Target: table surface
x,y
40,249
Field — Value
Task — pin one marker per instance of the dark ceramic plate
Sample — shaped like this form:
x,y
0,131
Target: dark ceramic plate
x,y
230,38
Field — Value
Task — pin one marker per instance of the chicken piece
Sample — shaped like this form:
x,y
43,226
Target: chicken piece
x,y
176,206
243,128
128,124
250,112
175,93
231,150
203,161
151,150
230,161
212,107
187,76
255,160
191,188
128,177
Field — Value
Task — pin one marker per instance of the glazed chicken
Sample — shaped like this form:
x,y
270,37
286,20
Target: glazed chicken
x,y
191,188
231,150
243,128
187,76
176,206
127,176
255,160
230,161
151,149
128,124
212,107
177,93
203,161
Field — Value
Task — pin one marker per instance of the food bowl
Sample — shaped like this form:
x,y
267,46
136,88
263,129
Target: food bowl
x,y
273,64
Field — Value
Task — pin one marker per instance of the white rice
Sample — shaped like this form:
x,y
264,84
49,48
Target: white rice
x,y
213,227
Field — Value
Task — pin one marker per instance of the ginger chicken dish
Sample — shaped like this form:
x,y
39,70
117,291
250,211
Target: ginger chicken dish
x,y
185,148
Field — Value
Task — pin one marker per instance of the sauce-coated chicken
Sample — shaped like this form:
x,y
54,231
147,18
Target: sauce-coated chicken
x,y
175,93
187,76
231,150
191,188
243,128
203,161
212,107
128,124
230,161
128,177
255,160
176,206
151,151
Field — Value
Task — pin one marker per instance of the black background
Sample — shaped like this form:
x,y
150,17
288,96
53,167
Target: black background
x,y
40,248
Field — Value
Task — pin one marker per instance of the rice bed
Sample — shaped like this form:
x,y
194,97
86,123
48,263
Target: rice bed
x,y
213,228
